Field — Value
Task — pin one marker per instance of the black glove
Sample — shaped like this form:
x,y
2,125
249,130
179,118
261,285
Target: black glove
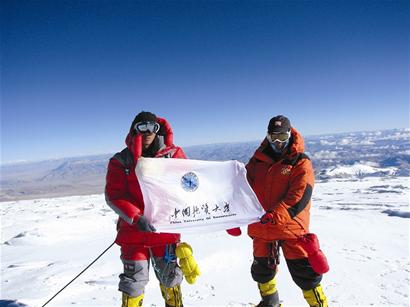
x,y
143,225
267,218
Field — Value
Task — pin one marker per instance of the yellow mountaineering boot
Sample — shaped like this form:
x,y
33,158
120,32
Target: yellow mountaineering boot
x,y
315,297
129,301
172,296
269,294
188,265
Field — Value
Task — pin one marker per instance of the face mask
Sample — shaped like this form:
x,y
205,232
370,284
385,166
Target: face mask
x,y
277,149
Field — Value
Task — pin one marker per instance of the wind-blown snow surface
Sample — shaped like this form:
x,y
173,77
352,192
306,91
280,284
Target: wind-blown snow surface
x,y
361,224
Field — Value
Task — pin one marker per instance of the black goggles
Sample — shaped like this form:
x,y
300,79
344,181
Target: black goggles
x,y
146,127
278,137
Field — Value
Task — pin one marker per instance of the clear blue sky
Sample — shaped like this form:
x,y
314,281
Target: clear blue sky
x,y
75,73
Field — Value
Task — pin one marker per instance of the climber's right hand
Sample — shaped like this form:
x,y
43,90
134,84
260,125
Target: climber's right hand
x,y
142,224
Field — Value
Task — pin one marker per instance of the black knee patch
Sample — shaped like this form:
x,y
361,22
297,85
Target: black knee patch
x,y
303,274
261,271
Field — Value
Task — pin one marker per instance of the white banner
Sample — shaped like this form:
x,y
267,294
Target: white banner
x,y
191,196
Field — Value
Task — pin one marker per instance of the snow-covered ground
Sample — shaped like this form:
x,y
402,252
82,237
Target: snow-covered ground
x,y
363,227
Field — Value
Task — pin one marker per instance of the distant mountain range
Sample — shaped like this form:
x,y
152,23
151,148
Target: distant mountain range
x,y
344,155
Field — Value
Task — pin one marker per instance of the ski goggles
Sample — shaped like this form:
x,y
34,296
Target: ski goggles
x,y
281,137
146,127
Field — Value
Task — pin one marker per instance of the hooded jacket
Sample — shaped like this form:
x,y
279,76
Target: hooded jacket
x,y
123,193
284,187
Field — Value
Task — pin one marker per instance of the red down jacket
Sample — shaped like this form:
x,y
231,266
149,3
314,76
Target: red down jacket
x,y
123,193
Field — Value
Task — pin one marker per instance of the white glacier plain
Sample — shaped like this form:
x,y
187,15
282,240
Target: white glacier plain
x,y
362,224
54,222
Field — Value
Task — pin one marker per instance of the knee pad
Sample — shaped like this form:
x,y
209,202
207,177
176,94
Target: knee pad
x,y
135,277
261,271
188,265
167,271
171,277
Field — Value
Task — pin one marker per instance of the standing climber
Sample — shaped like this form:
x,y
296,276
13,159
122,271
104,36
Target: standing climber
x,y
282,176
149,136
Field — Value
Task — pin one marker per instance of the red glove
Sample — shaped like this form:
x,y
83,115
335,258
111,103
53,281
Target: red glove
x,y
268,217
234,231
316,257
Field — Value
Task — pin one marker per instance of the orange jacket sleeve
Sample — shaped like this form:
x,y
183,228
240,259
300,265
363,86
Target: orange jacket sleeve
x,y
298,196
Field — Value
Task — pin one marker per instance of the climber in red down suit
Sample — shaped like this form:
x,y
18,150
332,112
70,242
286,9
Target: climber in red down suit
x,y
149,136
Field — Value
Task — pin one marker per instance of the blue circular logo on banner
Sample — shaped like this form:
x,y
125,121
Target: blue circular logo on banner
x,y
190,182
